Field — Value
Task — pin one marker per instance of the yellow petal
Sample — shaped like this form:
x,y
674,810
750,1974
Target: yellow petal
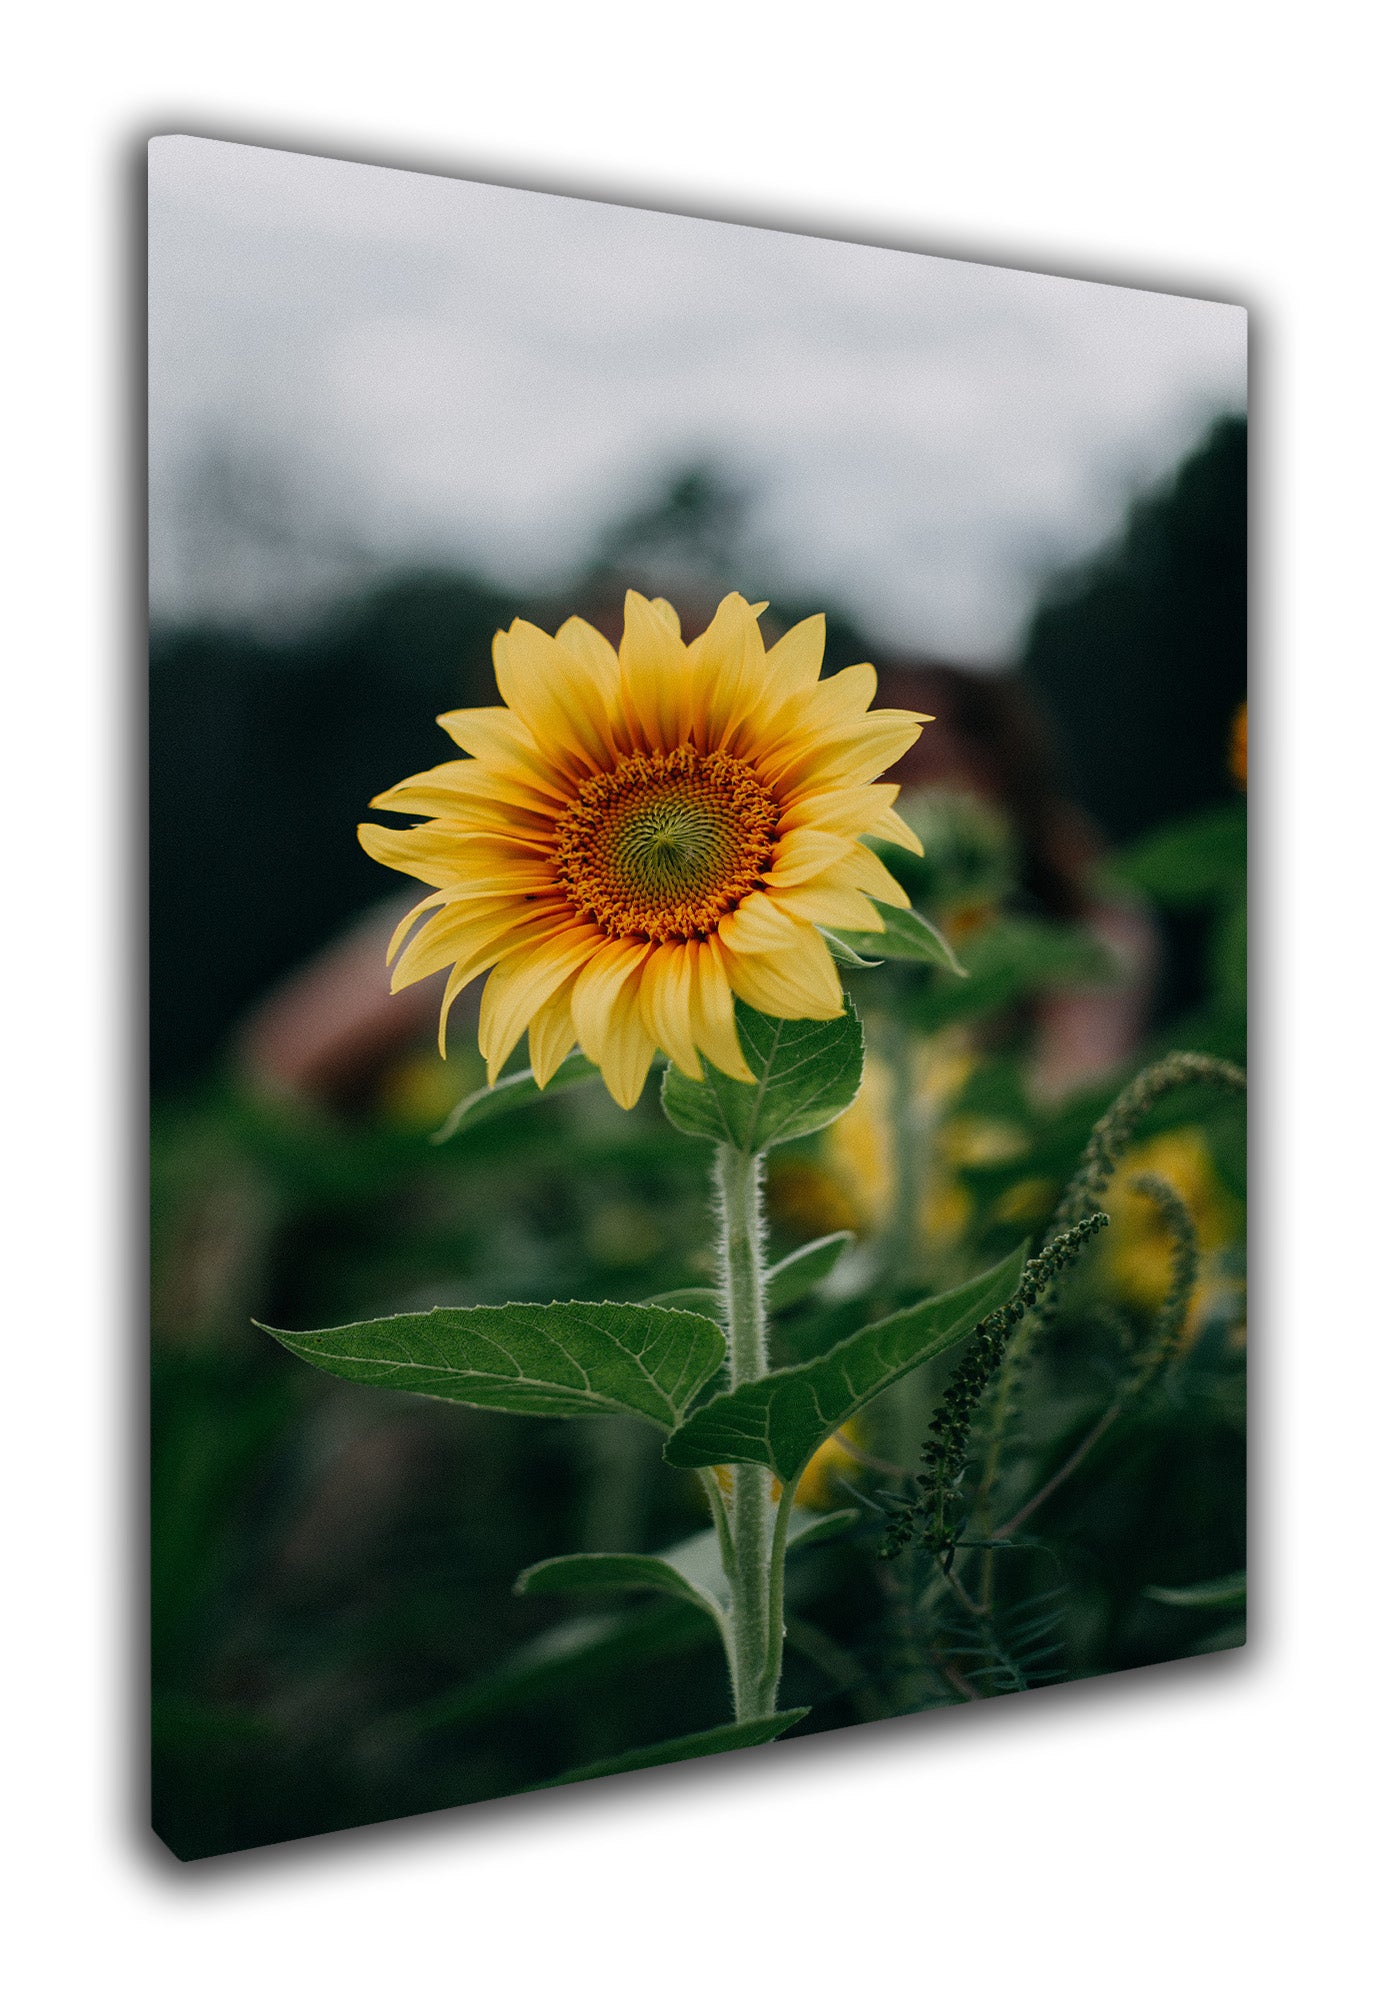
x,y
713,1010
831,906
596,989
482,792
552,1034
390,848
718,647
627,1046
849,813
523,982
811,965
425,856
795,662
446,854
455,985
486,856
500,740
663,608
654,677
757,927
514,882
473,965
433,900
459,859
489,732
844,696
561,694
801,855
862,869
892,829
814,721
463,934
783,726
863,752
785,986
452,790
728,667
665,1004
586,642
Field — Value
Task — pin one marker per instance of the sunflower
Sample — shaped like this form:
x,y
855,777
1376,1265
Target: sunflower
x,y
634,839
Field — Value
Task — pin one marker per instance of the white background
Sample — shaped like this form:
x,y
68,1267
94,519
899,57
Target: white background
x,y
1202,1827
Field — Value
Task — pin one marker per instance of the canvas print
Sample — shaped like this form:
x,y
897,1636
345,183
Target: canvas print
x,y
698,988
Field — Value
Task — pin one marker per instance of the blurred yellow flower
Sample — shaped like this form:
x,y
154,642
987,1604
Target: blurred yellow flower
x,y
1137,1257
858,1149
859,1145
976,1139
820,1488
417,1092
817,1487
633,839
1026,1202
947,1209
806,1198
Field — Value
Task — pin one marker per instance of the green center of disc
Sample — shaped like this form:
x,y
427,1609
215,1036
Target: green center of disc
x,y
670,850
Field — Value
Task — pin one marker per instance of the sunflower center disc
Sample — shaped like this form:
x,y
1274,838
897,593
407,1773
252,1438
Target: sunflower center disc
x,y
664,845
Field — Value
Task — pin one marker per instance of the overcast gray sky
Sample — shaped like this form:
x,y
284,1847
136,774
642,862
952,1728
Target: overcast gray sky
x,y
351,364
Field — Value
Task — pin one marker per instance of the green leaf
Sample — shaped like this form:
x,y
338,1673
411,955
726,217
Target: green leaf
x,y
841,952
780,1421
909,937
798,1273
563,1359
807,1071
514,1091
581,1657
696,1745
1007,961
1227,1592
585,1654
701,1302
811,1527
1195,860
690,1571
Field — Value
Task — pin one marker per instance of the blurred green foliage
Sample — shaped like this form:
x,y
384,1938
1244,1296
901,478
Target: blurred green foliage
x,y
336,1637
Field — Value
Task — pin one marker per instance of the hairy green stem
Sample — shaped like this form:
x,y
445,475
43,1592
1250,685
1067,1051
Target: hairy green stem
x,y
778,1554
717,1505
755,1646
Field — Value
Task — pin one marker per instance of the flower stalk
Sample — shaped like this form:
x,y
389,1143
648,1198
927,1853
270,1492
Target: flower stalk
x,y
754,1630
